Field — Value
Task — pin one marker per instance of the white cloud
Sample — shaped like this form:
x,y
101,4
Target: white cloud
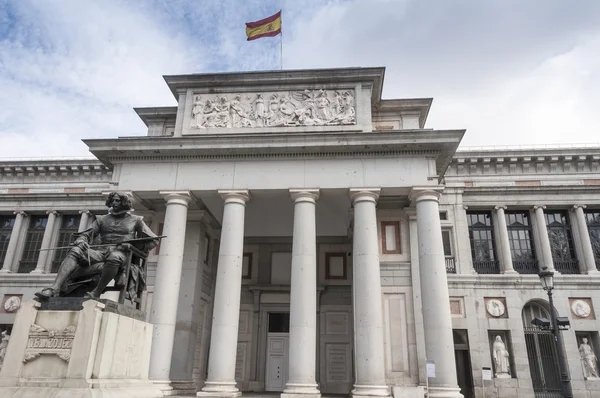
x,y
72,69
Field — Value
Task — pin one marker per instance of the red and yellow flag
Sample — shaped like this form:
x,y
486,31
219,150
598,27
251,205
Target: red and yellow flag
x,y
267,27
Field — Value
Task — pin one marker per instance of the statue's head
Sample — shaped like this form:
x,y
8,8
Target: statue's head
x,y
118,201
584,340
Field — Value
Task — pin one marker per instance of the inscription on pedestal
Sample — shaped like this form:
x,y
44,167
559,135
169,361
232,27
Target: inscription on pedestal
x,y
44,341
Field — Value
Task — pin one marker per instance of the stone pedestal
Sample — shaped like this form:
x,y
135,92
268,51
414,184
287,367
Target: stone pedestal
x,y
78,349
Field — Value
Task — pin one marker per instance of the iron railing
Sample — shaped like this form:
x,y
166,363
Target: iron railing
x,y
543,363
526,266
486,267
450,265
567,266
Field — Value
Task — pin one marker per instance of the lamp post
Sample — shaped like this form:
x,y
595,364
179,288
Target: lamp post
x,y
547,279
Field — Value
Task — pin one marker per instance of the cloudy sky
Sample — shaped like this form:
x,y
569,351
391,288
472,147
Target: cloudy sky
x,y
511,72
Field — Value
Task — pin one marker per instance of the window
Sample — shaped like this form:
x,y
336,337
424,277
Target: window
x,y
593,223
520,237
483,248
6,226
33,241
447,242
69,225
561,242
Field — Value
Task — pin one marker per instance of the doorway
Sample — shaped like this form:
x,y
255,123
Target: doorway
x,y
278,337
464,372
541,353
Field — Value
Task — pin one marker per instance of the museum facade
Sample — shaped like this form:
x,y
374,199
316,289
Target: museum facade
x,y
322,240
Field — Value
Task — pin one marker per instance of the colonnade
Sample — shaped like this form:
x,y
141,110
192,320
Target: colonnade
x,y
370,378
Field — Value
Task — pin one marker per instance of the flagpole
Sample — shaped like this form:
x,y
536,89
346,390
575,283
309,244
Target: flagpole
x,y
281,44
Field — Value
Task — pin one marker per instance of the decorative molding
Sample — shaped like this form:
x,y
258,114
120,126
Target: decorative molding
x,y
338,274
44,341
273,109
457,307
395,232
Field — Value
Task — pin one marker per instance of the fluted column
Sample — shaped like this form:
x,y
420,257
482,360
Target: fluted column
x,y
226,310
586,243
166,286
437,321
540,220
367,298
507,263
11,249
84,220
303,298
40,267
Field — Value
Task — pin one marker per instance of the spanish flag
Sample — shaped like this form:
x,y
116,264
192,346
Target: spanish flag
x,y
267,27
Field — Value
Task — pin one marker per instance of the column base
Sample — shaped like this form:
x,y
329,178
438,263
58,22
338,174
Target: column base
x,y
301,390
221,389
37,272
444,392
593,272
164,386
370,391
510,272
5,271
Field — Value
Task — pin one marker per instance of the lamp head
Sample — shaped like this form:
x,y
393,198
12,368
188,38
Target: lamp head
x,y
547,279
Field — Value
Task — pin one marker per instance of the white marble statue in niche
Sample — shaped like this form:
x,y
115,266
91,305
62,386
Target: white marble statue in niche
x,y
501,361
590,362
4,338
280,109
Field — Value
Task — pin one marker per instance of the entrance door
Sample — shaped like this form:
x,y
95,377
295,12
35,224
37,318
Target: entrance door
x,y
541,353
464,373
277,351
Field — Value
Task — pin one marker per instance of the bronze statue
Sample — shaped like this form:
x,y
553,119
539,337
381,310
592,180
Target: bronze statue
x,y
116,233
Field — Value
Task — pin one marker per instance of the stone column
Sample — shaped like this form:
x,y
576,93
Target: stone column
x,y
84,221
11,249
507,263
367,298
584,236
40,267
540,220
303,298
166,287
437,321
226,309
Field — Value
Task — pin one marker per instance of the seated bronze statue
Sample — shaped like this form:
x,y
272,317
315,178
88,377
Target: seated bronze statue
x,y
112,237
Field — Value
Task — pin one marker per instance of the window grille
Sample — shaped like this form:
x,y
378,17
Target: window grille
x,y
483,247
68,226
33,241
561,242
520,237
593,223
6,226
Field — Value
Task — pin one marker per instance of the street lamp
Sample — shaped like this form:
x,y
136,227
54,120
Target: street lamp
x,y
547,279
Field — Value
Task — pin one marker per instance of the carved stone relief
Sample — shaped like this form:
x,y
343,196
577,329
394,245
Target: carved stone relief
x,y
274,109
581,308
495,307
49,341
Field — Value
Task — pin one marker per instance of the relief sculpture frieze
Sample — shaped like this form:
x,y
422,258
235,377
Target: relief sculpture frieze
x,y
276,109
49,341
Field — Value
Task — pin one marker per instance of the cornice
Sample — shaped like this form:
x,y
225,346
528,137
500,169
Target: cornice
x,y
439,144
54,168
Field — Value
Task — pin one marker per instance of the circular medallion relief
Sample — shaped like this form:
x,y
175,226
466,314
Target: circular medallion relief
x,y
12,304
581,308
495,307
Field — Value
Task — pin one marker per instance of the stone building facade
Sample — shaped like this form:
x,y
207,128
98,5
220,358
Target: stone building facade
x,y
321,240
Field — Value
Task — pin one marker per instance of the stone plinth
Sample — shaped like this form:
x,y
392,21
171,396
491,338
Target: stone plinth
x,y
63,351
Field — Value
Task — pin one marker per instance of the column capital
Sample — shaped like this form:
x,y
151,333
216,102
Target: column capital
x,y
304,195
364,194
578,206
418,194
179,197
240,196
53,212
20,213
535,207
85,212
503,207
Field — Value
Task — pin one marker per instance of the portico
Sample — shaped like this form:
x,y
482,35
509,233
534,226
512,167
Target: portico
x,y
281,234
